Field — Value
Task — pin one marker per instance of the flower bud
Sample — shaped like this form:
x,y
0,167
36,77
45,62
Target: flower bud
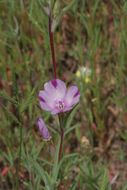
x,y
43,129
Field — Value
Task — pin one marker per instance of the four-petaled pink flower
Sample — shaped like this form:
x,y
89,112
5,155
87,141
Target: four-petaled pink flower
x,y
56,98
43,129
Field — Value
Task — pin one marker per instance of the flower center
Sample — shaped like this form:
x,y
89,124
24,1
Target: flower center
x,y
60,105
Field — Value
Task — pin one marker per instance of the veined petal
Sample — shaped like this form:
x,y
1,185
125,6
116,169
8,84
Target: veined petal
x,y
75,100
56,98
43,129
56,88
72,96
46,100
44,106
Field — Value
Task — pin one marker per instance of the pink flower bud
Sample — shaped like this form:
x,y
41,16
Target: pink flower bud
x,y
43,129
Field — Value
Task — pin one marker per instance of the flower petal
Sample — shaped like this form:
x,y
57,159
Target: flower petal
x,y
55,111
56,89
67,108
46,101
44,106
56,98
43,129
72,96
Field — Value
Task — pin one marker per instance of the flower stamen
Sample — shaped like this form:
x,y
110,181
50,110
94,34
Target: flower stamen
x,y
60,105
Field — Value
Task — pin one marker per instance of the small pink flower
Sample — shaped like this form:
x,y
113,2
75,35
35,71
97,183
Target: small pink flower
x,y
43,129
56,98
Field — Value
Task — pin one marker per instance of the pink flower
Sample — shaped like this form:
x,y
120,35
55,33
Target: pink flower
x,y
43,129
56,98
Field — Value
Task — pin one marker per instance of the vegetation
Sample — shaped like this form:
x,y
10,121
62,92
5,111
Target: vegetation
x,y
90,39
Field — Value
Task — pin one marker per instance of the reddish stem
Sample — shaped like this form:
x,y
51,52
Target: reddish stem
x,y
51,36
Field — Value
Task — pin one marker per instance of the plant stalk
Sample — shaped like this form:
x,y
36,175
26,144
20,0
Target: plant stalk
x,y
61,137
51,37
61,143
19,158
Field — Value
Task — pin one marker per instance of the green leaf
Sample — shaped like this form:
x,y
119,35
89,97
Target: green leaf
x,y
74,183
12,116
8,98
25,104
69,117
69,156
56,167
43,174
68,7
71,128
104,182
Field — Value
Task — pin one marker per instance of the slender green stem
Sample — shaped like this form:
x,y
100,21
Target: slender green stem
x,y
20,148
19,158
61,143
61,137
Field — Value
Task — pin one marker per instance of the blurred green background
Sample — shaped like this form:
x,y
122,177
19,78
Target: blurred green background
x,y
91,51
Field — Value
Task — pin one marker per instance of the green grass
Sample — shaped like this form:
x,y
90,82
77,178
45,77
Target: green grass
x,y
89,34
